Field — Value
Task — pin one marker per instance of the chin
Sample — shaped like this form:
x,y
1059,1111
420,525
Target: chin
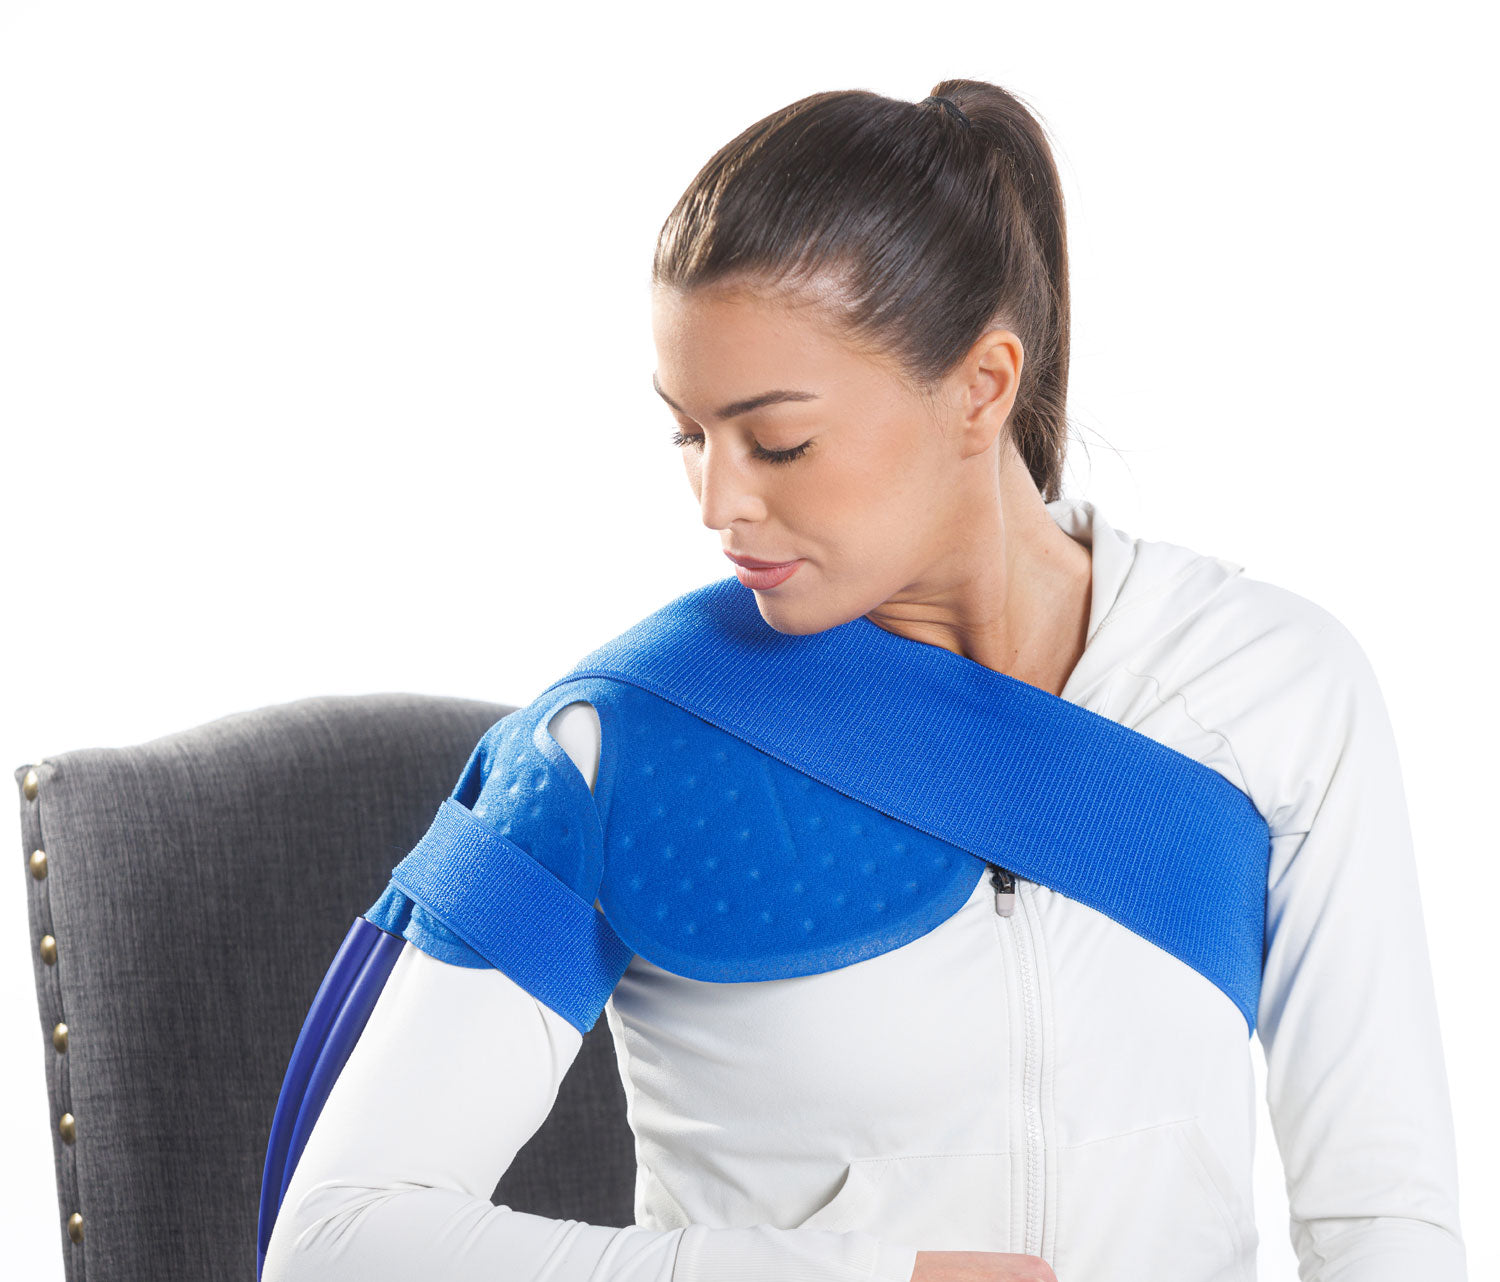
x,y
798,620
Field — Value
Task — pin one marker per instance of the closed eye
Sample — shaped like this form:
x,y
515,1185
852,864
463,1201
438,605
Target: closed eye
x,y
770,456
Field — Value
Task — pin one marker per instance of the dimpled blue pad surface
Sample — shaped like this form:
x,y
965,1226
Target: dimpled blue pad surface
x,y
725,864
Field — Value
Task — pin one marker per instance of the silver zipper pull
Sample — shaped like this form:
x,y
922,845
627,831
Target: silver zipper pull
x,y
1005,890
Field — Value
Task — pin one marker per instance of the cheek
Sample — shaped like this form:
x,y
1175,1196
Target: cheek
x,y
873,494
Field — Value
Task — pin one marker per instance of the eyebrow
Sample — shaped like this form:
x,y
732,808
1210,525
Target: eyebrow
x,y
735,408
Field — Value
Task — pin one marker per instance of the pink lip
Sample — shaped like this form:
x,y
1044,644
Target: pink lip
x,y
760,579
751,563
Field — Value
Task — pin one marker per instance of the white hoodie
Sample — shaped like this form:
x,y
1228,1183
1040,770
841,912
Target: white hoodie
x,y
1045,1082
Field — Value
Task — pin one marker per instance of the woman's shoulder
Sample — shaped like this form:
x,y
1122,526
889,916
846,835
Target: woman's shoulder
x,y
1258,626
1187,614
1281,680
1254,679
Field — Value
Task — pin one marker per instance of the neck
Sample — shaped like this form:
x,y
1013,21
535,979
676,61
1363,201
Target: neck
x,y
1022,611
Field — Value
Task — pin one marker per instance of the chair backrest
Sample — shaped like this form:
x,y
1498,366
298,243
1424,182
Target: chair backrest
x,y
186,897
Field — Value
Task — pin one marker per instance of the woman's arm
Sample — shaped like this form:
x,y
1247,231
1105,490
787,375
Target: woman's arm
x,y
1356,1083
455,1071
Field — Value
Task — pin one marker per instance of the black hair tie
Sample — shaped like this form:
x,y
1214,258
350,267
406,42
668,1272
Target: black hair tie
x,y
950,107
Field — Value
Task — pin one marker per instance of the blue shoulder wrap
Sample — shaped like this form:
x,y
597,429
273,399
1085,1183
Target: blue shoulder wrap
x,y
770,805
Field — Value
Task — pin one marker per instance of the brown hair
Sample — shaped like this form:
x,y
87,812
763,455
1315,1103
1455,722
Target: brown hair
x,y
929,232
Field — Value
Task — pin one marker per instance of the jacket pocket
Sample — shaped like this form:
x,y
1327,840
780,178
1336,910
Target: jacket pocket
x,y
1219,1184
938,1201
1148,1204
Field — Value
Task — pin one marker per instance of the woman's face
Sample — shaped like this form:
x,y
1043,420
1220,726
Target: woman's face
x,y
873,488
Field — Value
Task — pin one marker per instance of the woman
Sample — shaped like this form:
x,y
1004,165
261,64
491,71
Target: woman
x,y
861,320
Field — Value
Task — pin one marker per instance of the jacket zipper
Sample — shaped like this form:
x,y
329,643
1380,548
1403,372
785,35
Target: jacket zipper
x,y
1004,882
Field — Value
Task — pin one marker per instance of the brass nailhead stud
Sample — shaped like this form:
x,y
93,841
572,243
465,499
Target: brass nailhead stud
x,y
39,864
66,1125
75,1227
29,785
49,950
60,1038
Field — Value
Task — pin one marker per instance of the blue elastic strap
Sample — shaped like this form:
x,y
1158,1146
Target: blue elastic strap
x,y
395,912
515,913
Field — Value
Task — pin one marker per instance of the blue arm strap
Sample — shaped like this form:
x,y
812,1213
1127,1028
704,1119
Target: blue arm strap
x,y
514,913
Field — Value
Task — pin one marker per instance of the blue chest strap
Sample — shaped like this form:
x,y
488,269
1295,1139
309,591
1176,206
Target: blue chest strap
x,y
771,805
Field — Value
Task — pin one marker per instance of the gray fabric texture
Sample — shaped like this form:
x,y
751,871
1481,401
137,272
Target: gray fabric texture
x,y
198,886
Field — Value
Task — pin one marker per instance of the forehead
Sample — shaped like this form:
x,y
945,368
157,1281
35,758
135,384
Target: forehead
x,y
714,347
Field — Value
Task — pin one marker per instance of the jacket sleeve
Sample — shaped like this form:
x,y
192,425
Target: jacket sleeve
x,y
455,1071
1356,1083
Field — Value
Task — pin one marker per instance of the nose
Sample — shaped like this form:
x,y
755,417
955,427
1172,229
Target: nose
x,y
725,488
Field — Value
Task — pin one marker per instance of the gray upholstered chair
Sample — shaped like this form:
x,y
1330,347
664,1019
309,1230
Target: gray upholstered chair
x,y
186,898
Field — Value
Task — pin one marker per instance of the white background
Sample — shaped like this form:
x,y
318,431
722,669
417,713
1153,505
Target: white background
x,y
318,318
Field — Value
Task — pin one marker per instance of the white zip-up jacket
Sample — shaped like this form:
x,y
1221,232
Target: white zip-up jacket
x,y
1030,1076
